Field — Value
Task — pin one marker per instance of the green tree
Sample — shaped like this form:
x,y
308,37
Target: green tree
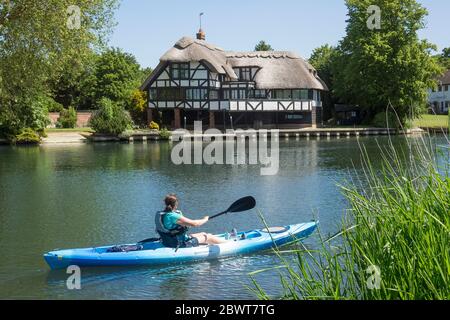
x,y
376,67
116,75
444,58
38,39
323,60
263,46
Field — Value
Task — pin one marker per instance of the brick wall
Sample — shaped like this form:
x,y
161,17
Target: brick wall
x,y
82,118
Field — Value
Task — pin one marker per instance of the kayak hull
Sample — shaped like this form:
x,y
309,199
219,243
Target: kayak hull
x,y
155,253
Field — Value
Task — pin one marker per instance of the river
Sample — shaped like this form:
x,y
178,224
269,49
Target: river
x,y
83,195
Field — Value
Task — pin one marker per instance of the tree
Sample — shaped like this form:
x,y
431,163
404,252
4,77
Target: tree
x,y
110,118
376,67
116,75
38,40
323,59
444,58
263,46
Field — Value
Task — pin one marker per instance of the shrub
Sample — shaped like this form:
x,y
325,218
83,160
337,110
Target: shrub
x,y
164,134
110,118
136,107
67,118
53,106
27,136
153,125
380,120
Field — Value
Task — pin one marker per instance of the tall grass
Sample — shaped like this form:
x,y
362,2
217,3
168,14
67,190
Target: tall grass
x,y
395,238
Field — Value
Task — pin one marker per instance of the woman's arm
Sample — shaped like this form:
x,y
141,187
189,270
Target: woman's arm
x,y
186,222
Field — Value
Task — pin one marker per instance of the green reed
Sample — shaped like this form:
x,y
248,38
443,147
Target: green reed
x,y
395,238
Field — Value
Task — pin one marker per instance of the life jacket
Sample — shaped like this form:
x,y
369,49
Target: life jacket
x,y
169,237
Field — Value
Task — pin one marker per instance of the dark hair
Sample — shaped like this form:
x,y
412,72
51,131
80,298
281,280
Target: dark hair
x,y
171,202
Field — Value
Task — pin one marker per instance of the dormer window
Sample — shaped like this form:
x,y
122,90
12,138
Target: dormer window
x,y
244,73
179,71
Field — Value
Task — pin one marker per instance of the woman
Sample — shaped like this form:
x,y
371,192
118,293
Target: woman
x,y
172,227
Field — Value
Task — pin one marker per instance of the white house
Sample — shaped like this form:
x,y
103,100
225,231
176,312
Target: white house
x,y
439,99
196,80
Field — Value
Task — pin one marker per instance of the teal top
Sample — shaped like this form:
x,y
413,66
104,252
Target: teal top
x,y
170,222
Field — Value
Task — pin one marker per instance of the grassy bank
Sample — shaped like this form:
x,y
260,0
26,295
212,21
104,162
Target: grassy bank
x,y
394,243
431,121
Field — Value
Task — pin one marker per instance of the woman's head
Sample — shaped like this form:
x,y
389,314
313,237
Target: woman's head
x,y
171,202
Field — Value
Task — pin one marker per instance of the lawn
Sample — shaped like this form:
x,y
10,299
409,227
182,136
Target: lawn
x,y
432,121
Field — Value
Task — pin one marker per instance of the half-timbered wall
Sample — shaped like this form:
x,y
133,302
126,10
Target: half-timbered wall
x,y
199,76
203,89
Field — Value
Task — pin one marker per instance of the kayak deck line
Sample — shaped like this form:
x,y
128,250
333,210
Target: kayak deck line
x,y
154,253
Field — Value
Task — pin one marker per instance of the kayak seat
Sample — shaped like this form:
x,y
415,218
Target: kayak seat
x,y
125,248
275,230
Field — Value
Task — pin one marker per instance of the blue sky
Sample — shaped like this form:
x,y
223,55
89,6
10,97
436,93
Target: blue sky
x,y
148,28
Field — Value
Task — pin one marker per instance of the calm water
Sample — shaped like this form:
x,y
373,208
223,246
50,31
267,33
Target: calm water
x,y
87,195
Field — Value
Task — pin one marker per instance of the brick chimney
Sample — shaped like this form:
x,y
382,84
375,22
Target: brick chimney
x,y
201,35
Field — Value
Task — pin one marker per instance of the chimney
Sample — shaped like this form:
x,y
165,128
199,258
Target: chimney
x,y
201,35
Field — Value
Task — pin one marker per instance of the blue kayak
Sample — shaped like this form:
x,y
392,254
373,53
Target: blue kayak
x,y
155,253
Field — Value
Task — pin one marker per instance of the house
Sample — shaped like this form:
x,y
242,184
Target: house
x,y
196,80
439,100
347,115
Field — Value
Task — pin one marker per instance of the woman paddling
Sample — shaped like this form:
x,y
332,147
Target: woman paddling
x,y
172,226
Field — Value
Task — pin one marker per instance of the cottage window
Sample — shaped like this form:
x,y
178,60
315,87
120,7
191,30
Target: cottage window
x,y
245,74
283,94
179,71
257,94
196,94
170,94
152,94
213,95
226,94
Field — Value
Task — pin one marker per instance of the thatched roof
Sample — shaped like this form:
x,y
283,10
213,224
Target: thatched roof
x,y
188,49
278,69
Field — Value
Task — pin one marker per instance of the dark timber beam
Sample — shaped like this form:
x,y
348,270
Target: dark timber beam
x,y
177,118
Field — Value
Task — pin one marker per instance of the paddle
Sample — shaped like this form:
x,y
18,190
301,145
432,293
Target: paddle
x,y
243,204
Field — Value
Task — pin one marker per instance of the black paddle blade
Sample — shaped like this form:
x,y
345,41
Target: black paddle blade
x,y
243,204
149,240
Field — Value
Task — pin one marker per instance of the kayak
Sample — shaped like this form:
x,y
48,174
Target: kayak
x,y
154,253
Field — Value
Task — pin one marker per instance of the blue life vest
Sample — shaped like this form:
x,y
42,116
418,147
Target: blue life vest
x,y
170,237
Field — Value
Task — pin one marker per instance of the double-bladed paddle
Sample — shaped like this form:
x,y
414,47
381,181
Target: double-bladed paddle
x,y
243,204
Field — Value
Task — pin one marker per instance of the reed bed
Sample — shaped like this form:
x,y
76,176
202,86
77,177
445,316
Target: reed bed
x,y
395,238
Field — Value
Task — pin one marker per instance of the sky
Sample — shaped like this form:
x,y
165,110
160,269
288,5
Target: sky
x,y
148,28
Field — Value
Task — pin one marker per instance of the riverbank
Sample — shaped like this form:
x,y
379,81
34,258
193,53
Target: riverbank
x,y
84,135
432,123
66,137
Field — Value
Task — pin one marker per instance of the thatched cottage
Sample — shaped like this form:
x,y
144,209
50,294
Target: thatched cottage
x,y
196,80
